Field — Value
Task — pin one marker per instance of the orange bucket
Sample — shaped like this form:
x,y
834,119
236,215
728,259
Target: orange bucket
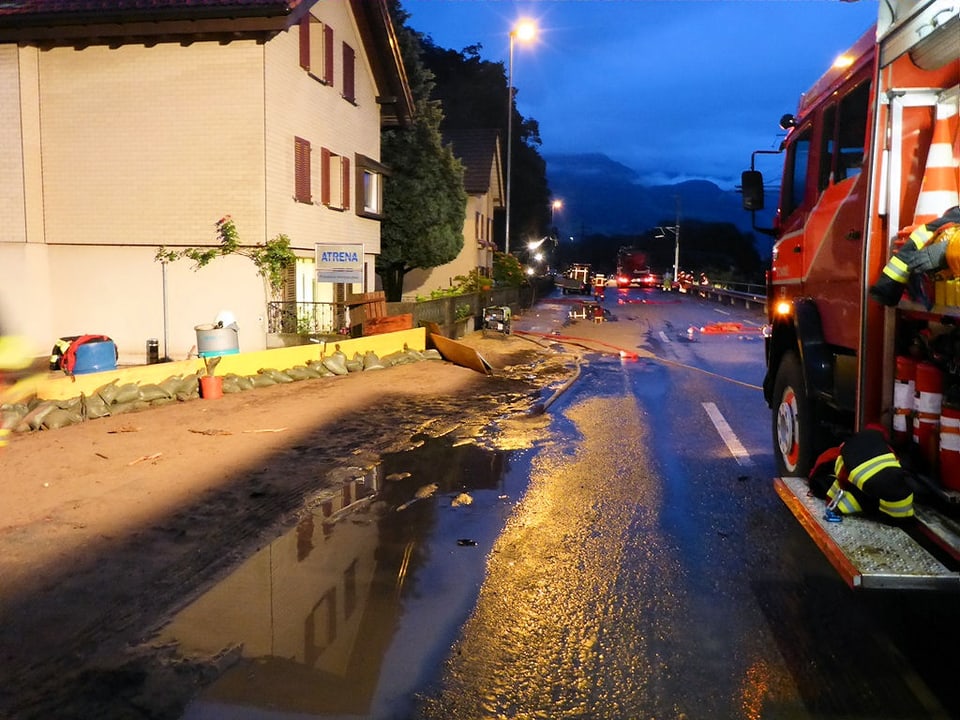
x,y
211,387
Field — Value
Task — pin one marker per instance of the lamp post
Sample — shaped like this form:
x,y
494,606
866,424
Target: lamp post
x,y
675,229
524,30
554,207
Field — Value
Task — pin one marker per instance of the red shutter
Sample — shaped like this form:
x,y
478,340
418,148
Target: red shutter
x,y
328,54
346,183
349,91
324,176
305,42
301,164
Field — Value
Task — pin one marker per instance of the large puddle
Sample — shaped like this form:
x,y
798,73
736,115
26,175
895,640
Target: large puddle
x,y
353,611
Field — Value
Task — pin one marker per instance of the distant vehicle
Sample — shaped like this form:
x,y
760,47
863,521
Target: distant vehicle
x,y
577,279
632,267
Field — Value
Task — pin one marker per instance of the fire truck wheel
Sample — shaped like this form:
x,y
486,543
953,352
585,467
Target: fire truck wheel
x,y
792,419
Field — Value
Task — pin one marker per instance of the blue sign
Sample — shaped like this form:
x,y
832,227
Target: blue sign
x,y
340,263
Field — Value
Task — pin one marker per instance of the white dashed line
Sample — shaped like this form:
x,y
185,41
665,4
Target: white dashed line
x,y
739,453
663,337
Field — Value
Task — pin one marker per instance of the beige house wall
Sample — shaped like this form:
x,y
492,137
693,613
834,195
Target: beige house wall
x,y
107,154
474,254
298,104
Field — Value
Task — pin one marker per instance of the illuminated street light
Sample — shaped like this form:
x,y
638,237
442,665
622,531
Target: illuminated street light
x,y
554,207
525,30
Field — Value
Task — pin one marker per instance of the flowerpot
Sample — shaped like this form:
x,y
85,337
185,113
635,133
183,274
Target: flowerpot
x,y
211,387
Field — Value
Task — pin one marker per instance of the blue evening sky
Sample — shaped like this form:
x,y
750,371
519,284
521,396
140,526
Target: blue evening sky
x,y
675,89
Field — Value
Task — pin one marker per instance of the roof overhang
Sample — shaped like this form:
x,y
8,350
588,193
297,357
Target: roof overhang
x,y
53,24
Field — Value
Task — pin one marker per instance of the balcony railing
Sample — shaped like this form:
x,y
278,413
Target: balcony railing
x,y
312,318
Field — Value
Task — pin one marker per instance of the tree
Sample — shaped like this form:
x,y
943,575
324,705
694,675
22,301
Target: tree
x,y
474,95
424,200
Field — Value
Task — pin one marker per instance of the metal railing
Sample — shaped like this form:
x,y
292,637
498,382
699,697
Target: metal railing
x,y
747,293
309,318
346,319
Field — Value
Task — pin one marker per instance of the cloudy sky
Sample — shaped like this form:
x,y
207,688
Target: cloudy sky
x,y
675,89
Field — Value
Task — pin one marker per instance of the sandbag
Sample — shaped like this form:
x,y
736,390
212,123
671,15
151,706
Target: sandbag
x,y
34,419
127,392
262,381
336,363
108,392
278,376
371,361
94,406
151,392
58,418
301,373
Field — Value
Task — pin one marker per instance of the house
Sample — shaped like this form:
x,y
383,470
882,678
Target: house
x,y
128,126
479,152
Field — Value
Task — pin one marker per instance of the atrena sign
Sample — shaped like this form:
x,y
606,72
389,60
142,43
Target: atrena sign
x,y
341,263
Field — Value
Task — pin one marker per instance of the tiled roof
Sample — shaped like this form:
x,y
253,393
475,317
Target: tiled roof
x,y
47,19
476,149
70,7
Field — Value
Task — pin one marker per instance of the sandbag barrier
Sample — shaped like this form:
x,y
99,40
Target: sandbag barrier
x,y
115,398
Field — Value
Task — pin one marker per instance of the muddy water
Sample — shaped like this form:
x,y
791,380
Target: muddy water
x,y
353,610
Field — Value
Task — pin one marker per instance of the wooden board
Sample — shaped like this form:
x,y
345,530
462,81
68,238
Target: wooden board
x,y
460,354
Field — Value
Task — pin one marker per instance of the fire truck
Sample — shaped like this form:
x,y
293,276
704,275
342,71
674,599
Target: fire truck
x,y
869,156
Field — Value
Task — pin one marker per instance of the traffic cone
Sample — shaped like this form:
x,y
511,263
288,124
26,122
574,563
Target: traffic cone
x,y
940,186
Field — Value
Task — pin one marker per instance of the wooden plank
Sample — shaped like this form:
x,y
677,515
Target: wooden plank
x,y
389,323
460,354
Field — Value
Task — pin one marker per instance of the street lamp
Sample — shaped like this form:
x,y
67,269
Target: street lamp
x,y
554,207
675,229
525,31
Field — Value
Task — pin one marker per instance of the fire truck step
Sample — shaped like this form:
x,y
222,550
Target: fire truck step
x,y
867,554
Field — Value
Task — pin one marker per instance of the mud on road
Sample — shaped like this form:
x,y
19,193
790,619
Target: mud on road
x,y
109,527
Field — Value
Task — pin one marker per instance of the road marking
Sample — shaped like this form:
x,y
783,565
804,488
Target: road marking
x,y
722,312
739,453
663,337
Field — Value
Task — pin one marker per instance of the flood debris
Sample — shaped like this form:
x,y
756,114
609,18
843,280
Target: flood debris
x,y
423,492
462,499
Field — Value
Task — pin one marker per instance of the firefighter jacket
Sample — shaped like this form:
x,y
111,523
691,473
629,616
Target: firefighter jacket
x,y
922,252
869,477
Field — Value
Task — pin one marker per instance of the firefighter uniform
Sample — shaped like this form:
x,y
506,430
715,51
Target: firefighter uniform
x,y
869,477
926,250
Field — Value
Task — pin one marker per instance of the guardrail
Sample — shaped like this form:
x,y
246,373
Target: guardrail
x,y
733,293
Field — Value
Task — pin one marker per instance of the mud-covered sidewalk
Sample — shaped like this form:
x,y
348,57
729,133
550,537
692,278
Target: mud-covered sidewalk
x,y
108,527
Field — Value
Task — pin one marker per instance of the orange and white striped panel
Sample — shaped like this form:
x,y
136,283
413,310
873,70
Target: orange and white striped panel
x,y
940,188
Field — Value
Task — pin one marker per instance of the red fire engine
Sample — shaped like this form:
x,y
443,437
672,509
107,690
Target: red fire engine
x,y
870,156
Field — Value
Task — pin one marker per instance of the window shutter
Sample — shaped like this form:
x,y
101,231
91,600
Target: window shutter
x,y
328,54
290,283
305,42
348,80
325,176
301,163
345,182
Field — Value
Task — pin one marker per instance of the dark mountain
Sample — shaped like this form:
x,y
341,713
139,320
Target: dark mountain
x,y
601,195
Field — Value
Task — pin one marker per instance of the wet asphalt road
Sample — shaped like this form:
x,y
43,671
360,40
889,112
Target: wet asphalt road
x,y
621,556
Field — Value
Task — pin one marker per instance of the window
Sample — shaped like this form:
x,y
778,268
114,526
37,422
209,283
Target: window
x,y
372,196
349,91
852,131
316,49
301,164
334,180
844,135
370,175
795,177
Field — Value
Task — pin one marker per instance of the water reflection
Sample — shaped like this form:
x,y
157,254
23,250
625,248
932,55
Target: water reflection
x,y
355,608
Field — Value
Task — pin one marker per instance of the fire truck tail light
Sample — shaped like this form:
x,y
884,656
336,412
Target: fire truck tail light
x,y
783,308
